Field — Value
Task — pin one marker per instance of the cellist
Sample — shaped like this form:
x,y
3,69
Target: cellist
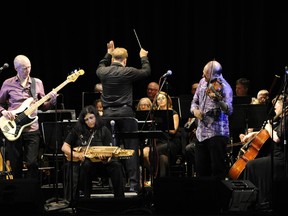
x,y
259,171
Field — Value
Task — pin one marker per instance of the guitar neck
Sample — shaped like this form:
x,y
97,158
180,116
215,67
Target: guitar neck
x,y
34,106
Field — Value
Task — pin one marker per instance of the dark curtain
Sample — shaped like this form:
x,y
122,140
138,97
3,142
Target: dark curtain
x,y
247,37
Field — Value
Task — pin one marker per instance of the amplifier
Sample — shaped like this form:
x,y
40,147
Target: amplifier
x,y
241,195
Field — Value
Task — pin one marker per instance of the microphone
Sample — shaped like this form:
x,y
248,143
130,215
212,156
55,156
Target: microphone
x,y
112,123
6,65
168,73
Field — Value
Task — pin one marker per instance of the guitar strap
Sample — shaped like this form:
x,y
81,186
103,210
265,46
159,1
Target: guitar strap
x,y
33,88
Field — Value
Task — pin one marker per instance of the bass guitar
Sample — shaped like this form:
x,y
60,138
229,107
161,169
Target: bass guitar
x,y
249,151
12,129
95,152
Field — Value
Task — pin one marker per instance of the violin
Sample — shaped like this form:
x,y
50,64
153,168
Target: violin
x,y
214,90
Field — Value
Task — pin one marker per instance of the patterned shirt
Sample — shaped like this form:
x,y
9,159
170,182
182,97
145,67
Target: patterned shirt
x,y
215,121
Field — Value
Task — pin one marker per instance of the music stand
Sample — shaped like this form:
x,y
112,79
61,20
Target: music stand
x,y
126,124
142,135
54,134
162,119
241,100
246,116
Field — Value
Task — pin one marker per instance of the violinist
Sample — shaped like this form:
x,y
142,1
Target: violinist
x,y
259,170
90,131
212,105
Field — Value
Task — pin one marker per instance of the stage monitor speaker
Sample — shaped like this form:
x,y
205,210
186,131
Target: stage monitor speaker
x,y
185,196
21,196
240,195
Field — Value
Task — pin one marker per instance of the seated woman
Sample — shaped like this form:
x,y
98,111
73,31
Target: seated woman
x,y
167,149
90,131
145,104
260,170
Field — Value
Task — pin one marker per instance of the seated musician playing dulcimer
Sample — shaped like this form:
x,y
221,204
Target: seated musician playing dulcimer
x,y
89,133
259,171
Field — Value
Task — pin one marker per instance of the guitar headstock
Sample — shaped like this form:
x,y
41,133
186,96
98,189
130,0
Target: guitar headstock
x,y
74,75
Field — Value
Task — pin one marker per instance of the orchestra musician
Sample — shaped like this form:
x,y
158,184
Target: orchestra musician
x,y
89,131
15,94
167,150
259,171
211,105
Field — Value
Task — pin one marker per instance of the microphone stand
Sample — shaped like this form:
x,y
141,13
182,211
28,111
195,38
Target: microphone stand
x,y
55,203
152,143
168,126
284,119
283,89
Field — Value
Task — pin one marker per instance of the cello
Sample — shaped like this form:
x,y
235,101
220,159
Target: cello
x,y
249,151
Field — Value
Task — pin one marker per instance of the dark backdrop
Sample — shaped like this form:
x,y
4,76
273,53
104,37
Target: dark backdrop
x,y
249,39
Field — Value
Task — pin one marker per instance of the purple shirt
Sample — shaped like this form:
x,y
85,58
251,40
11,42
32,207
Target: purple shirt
x,y
215,121
13,94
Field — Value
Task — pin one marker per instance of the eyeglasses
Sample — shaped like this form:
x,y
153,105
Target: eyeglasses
x,y
150,89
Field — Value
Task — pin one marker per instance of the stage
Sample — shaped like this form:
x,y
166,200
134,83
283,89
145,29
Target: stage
x,y
168,196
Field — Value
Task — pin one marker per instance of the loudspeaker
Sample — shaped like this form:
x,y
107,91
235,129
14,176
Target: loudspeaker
x,y
21,195
174,195
241,195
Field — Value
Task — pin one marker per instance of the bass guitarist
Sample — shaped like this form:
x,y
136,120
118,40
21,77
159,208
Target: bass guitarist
x,y
13,94
259,171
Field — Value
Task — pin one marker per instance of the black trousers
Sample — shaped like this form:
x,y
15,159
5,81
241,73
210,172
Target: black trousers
x,y
210,157
25,149
80,177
